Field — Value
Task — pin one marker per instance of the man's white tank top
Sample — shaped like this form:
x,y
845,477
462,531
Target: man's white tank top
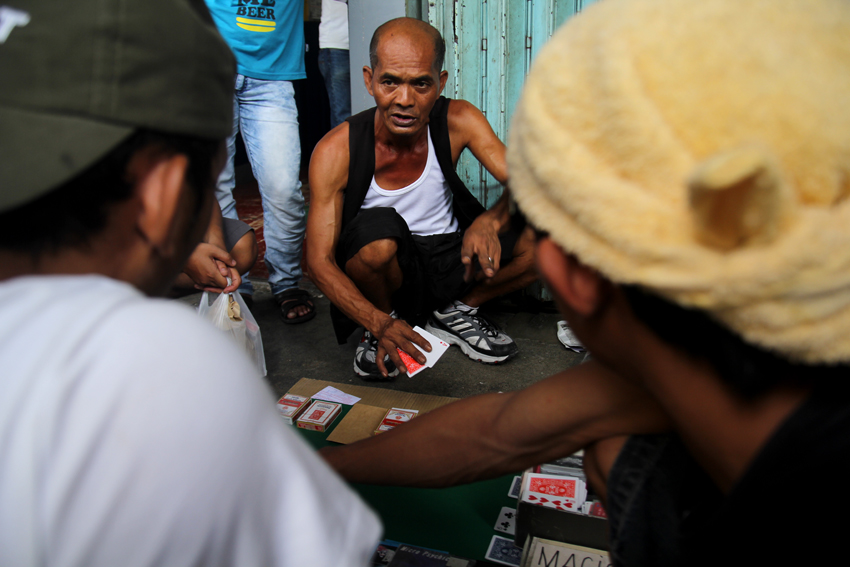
x,y
425,204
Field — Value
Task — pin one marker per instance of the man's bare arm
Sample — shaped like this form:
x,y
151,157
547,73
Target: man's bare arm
x,y
328,179
210,264
494,434
469,128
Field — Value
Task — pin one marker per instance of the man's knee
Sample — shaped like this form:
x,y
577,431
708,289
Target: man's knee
x,y
598,460
245,252
523,252
377,256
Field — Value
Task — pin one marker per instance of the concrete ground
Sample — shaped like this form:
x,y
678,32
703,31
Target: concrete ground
x,y
310,350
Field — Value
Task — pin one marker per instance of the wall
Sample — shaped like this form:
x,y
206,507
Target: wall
x,y
490,45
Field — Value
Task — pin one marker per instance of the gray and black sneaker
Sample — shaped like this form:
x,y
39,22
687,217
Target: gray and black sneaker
x,y
364,360
478,338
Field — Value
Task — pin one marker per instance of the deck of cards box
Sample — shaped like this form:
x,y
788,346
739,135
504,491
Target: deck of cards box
x,y
553,507
319,416
291,406
395,417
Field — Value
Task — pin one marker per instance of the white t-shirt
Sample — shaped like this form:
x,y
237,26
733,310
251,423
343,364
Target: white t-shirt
x,y
133,433
425,205
333,29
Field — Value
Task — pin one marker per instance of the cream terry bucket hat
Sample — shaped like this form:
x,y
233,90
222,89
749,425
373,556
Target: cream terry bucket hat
x,y
701,150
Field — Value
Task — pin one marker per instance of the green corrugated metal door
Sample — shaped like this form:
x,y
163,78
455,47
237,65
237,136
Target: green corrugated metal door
x,y
490,46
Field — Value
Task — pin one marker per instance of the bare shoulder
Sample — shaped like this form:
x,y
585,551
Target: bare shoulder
x,y
464,114
329,162
467,123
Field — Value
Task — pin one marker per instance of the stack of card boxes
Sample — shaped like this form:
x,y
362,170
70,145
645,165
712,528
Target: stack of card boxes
x,y
319,416
290,407
395,417
553,507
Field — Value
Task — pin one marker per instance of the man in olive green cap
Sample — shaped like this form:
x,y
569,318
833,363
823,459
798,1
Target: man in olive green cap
x,y
131,431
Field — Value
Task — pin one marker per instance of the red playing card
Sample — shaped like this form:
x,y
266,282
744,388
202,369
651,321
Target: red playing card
x,y
409,363
565,488
596,509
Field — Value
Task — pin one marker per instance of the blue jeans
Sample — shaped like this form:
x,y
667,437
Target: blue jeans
x,y
333,64
265,113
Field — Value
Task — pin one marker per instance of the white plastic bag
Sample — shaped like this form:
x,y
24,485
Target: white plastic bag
x,y
229,313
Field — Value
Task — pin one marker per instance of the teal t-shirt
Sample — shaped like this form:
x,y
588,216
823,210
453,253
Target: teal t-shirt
x,y
266,36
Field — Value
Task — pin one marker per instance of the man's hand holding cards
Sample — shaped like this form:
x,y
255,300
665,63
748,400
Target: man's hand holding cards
x,y
438,347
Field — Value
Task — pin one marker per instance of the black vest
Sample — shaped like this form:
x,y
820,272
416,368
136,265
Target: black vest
x,y
361,164
361,169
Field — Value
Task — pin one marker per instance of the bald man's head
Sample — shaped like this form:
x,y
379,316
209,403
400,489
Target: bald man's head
x,y
410,27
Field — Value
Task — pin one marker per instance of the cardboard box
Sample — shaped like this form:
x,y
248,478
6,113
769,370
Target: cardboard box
x,y
291,406
549,523
319,416
365,416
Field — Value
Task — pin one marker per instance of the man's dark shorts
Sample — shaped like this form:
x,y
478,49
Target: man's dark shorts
x,y
233,230
433,272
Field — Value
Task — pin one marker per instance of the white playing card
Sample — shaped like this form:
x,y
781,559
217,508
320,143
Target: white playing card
x,y
438,347
507,521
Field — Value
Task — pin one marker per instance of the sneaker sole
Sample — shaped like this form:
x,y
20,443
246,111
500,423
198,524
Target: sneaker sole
x,y
466,348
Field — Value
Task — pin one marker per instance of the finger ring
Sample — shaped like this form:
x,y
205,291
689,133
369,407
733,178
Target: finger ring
x,y
490,258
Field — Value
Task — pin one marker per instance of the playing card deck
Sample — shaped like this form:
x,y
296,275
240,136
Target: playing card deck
x,y
319,416
438,347
553,507
290,407
395,417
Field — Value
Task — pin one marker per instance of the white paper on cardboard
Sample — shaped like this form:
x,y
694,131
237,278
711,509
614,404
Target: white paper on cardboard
x,y
331,394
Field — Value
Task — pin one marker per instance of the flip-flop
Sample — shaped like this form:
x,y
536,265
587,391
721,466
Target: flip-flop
x,y
292,298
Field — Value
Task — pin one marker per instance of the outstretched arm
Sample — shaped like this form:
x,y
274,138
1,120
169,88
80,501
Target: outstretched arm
x,y
494,434
328,180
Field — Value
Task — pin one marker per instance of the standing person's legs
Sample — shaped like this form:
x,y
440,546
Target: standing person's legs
x,y
268,120
334,66
227,183
227,178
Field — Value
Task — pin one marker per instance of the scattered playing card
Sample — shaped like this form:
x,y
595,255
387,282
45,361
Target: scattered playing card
x,y
516,485
507,521
503,551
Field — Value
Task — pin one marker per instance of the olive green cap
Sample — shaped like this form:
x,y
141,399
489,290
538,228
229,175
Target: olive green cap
x,y
79,77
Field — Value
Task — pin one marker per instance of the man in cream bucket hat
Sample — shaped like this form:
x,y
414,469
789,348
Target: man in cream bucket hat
x,y
687,165
131,431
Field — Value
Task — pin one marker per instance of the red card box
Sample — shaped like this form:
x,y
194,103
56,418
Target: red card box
x,y
394,417
291,406
319,416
